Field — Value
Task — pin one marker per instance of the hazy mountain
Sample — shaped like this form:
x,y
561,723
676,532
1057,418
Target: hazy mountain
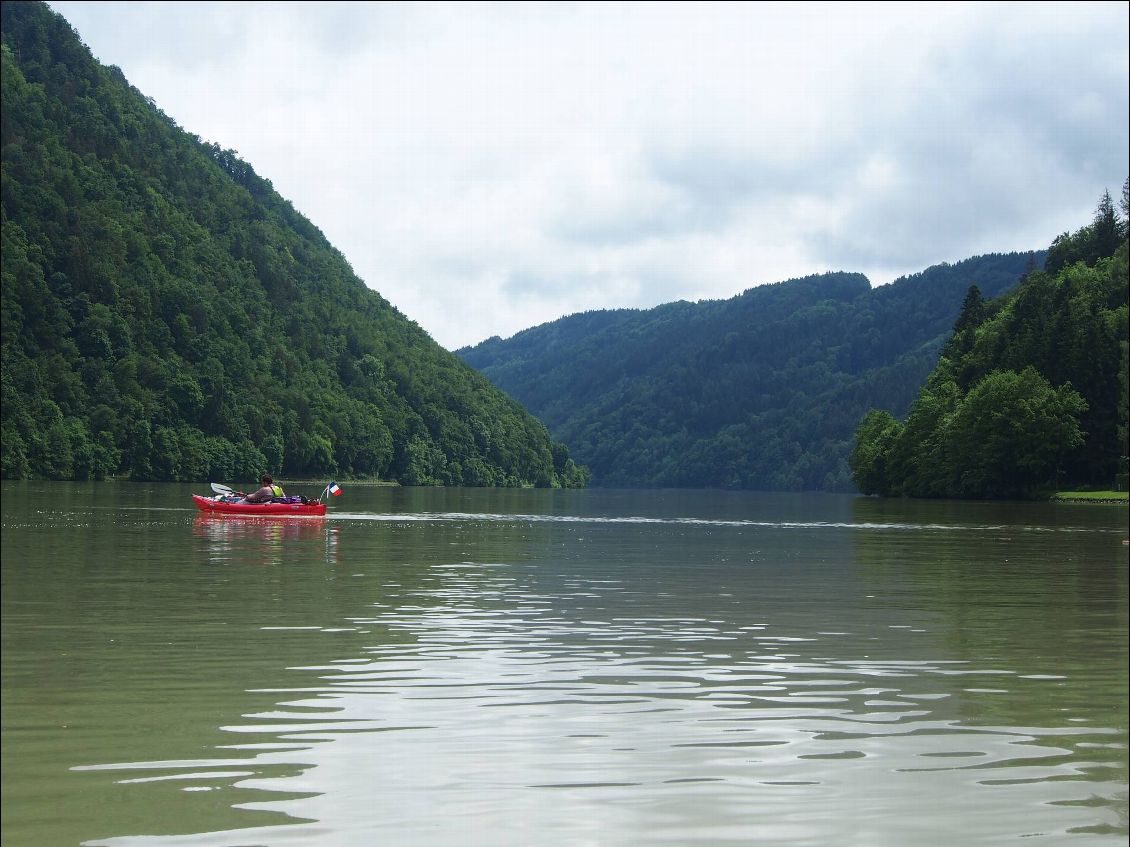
x,y
761,391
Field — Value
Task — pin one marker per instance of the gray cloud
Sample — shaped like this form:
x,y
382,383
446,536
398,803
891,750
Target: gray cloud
x,y
488,167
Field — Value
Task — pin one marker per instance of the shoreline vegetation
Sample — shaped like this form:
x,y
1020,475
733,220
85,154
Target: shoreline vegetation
x,y
1104,497
170,317
1030,393
343,481
1091,497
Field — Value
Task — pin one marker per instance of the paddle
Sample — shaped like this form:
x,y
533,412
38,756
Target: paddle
x,y
223,489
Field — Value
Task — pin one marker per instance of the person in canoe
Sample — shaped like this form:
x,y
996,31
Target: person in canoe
x,y
268,492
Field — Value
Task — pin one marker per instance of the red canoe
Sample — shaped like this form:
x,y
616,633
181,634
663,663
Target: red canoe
x,y
208,504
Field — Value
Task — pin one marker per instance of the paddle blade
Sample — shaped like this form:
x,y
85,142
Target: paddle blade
x,y
221,489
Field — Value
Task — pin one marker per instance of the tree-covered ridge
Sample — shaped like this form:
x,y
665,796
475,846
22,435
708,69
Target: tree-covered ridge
x,y
761,391
167,315
1030,393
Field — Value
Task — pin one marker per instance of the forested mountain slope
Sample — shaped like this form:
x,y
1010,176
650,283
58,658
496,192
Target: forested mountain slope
x,y
1030,393
167,315
761,391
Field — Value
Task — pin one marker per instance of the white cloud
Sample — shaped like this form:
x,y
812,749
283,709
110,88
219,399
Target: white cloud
x,y
488,167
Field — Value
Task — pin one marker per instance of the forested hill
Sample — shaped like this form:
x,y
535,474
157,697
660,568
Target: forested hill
x,y
1030,393
761,391
167,315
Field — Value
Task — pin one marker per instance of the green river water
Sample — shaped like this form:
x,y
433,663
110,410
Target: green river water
x,y
478,667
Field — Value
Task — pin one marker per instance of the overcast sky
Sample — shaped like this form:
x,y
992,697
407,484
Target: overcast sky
x,y
491,167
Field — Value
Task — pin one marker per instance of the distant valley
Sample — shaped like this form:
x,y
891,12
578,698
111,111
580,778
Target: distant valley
x,y
762,391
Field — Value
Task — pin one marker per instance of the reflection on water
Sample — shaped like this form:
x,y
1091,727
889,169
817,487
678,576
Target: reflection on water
x,y
228,535
625,674
638,722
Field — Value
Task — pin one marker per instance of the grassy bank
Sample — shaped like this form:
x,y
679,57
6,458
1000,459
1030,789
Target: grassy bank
x,y
1092,496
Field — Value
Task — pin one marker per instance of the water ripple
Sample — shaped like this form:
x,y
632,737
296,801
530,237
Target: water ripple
x,y
487,688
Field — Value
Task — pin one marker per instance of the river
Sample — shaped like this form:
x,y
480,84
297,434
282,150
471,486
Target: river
x,y
488,667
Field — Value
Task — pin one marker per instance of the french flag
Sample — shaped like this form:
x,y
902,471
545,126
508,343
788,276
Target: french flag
x,y
335,489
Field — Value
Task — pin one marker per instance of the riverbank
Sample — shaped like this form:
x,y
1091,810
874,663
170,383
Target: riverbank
x,y
351,483
1091,497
